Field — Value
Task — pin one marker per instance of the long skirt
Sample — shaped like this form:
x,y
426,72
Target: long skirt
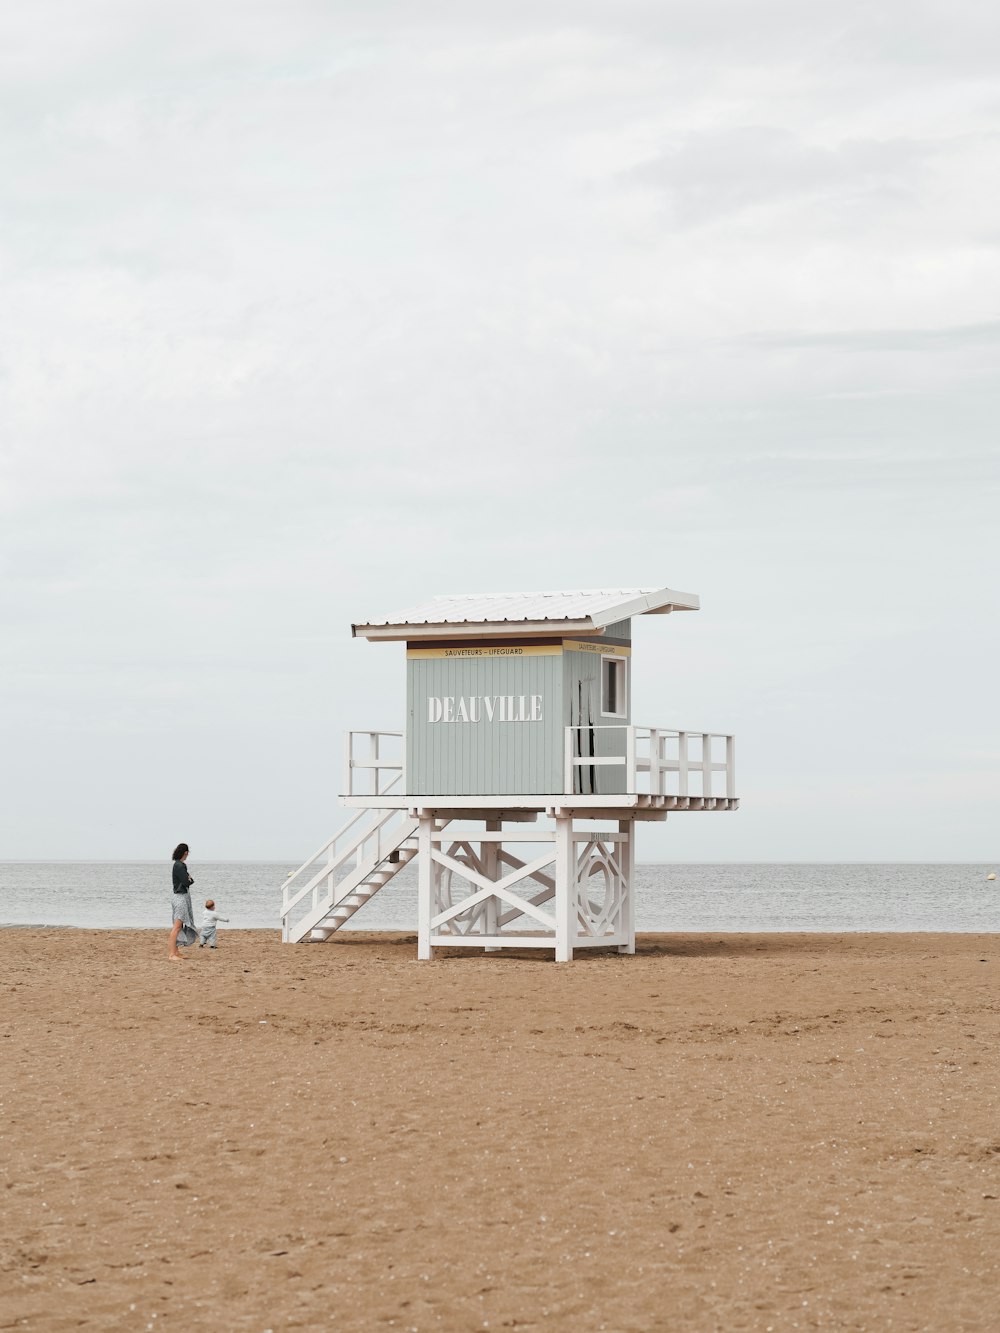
x,y
183,913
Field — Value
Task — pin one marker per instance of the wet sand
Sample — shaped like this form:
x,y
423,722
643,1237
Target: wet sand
x,y
724,1132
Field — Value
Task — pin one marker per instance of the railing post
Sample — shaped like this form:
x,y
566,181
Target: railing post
x,y
654,762
706,765
731,767
373,759
630,774
348,767
682,763
569,775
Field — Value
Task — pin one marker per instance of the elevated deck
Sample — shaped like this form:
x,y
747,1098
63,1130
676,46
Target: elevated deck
x,y
638,804
574,890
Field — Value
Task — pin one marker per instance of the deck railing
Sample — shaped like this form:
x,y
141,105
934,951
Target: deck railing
x,y
657,761
678,763
381,770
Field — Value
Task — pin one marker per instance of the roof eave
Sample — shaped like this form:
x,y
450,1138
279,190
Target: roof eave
x,y
658,603
481,628
652,604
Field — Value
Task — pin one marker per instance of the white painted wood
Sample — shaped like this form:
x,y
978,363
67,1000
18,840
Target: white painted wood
x,y
565,890
340,898
425,884
498,941
508,858
654,762
484,807
627,828
361,834
495,614
682,763
470,816
502,889
706,765
487,805
488,855
369,785
492,835
389,828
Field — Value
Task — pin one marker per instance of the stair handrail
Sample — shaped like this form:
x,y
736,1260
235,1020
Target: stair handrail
x,y
350,882
329,868
337,859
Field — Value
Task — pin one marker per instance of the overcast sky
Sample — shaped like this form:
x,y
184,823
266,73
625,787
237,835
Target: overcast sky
x,y
311,310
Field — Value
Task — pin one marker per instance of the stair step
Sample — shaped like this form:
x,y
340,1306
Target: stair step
x,y
328,916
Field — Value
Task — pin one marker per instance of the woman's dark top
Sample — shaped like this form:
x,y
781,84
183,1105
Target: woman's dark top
x,y
182,880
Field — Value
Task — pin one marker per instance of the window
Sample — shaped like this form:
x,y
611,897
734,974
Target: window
x,y
613,702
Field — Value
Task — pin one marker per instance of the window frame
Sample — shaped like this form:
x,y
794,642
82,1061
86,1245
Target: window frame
x,y
611,661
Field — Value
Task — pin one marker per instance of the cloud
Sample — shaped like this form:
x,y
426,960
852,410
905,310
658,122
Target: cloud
x,y
711,175
316,308
958,337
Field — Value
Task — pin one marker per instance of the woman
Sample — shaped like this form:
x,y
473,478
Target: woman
x,y
183,928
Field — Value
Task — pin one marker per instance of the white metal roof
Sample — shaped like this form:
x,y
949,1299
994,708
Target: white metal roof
x,y
580,612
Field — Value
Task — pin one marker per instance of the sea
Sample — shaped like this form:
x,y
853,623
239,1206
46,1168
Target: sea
x,y
111,895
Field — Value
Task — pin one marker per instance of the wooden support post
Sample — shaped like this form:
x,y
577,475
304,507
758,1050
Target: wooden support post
x,y
565,889
627,863
488,853
426,897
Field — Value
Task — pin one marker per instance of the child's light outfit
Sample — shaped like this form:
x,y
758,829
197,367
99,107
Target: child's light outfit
x,y
207,932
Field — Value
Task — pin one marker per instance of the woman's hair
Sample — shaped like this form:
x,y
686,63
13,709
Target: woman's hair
x,y
180,850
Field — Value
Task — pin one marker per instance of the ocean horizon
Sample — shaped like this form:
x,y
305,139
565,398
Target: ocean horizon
x,y
691,896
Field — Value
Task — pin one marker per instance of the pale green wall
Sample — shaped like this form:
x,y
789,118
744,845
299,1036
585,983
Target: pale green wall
x,y
484,758
502,757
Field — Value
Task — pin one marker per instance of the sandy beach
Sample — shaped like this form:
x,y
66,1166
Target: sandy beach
x,y
724,1132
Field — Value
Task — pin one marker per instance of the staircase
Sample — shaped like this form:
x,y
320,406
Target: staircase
x,y
345,873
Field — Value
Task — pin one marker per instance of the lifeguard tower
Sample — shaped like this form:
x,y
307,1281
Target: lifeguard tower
x,y
518,780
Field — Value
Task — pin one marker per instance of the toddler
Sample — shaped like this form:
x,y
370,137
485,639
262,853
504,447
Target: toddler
x,y
207,931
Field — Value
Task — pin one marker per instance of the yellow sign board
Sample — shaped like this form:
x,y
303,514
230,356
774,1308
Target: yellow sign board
x,y
501,650
605,649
